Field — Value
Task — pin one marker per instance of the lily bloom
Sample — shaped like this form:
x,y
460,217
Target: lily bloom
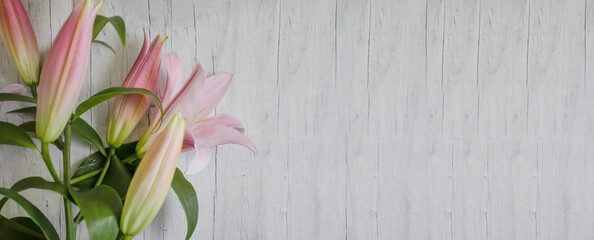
x,y
13,88
151,181
196,99
20,40
127,110
64,70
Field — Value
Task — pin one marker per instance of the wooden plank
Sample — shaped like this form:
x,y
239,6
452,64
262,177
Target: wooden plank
x,y
511,173
557,115
352,41
308,116
251,192
461,101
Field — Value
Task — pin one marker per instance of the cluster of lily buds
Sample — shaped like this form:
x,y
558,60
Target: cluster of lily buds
x,y
190,101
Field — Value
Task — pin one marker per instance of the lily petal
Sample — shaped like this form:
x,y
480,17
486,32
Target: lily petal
x,y
200,161
13,88
220,130
183,102
175,77
188,144
215,88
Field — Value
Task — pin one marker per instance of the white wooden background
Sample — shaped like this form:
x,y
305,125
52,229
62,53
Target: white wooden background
x,y
375,119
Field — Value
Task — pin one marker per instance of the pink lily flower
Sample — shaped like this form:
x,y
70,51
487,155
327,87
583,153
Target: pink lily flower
x,y
20,40
64,70
127,110
150,183
195,100
13,88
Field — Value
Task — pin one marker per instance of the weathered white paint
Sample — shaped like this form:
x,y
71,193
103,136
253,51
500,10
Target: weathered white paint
x,y
375,119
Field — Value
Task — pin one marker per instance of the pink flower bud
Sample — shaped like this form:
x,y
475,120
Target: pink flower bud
x,y
151,181
64,70
127,110
20,40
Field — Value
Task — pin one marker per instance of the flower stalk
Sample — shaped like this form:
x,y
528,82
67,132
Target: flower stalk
x,y
70,226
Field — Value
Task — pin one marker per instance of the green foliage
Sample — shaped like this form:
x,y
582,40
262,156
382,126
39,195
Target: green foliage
x,y
15,136
22,228
110,93
118,24
101,207
28,110
81,128
36,215
6,97
95,162
188,199
37,183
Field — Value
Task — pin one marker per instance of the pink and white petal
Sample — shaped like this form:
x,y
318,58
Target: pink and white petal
x,y
187,100
215,88
175,77
210,136
188,144
224,120
200,161
13,88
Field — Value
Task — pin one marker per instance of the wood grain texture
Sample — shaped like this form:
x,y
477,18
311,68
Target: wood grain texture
x,y
374,119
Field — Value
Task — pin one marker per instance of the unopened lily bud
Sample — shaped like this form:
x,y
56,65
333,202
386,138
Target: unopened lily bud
x,y
127,110
152,180
20,40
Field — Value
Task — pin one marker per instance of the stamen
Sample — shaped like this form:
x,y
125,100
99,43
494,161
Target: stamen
x,y
204,120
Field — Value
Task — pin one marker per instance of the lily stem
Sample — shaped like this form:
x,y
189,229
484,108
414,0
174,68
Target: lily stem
x,y
70,227
105,167
48,161
34,91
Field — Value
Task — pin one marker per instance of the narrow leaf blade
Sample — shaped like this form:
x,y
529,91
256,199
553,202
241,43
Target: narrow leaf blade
x,y
187,196
5,97
81,128
37,183
33,212
120,26
22,228
15,136
100,22
28,110
102,43
110,93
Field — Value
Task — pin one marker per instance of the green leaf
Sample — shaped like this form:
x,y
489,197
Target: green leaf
x,y
22,228
5,97
116,21
37,183
101,207
110,93
33,212
29,110
81,128
29,128
118,177
100,22
95,162
102,43
187,197
15,136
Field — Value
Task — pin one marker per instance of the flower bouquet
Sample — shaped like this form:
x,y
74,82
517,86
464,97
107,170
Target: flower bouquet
x,y
120,188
